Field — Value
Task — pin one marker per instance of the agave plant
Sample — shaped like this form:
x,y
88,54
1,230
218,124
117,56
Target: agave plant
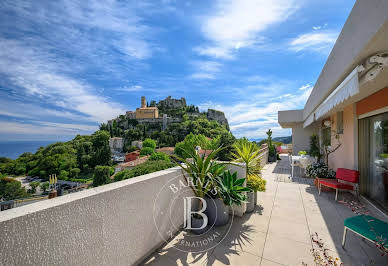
x,y
202,171
231,188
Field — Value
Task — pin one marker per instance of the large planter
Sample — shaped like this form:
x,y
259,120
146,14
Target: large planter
x,y
255,195
271,159
251,202
217,212
197,223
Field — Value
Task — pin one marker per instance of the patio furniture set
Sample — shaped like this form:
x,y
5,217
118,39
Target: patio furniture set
x,y
368,227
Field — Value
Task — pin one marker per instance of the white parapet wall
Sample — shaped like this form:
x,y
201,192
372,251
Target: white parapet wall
x,y
108,225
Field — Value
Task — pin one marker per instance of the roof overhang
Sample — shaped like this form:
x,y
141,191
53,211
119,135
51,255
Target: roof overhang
x,y
288,119
349,87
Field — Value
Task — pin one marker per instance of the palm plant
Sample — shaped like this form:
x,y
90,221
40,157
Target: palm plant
x,y
248,153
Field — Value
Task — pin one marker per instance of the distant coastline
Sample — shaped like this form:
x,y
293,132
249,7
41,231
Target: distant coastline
x,y
13,149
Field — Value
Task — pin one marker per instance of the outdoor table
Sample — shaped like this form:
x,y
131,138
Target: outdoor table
x,y
301,161
295,161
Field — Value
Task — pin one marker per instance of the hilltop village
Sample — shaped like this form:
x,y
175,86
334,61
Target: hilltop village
x,y
160,121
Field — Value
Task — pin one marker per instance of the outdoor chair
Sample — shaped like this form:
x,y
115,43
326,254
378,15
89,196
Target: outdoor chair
x,y
346,180
367,227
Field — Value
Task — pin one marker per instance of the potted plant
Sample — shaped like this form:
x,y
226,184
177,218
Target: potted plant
x,y
302,153
231,190
255,183
248,153
319,170
201,171
271,148
314,147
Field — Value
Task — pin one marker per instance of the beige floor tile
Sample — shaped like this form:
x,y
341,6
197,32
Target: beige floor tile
x,y
260,222
159,260
286,251
265,262
285,228
220,257
244,238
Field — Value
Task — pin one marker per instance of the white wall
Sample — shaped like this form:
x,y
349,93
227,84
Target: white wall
x,y
108,225
301,137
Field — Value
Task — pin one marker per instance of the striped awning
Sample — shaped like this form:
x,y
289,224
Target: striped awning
x,y
348,88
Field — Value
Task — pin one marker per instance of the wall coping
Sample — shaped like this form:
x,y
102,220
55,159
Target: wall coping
x,y
47,204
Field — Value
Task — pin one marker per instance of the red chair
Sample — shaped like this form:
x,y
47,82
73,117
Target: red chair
x,y
342,174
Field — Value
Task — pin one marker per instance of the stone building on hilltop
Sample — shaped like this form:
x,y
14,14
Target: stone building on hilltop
x,y
145,112
172,103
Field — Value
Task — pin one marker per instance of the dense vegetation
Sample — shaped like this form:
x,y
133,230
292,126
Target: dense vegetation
x,y
143,169
195,123
68,160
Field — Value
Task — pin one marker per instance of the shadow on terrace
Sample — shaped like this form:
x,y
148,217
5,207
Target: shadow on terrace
x,y
279,231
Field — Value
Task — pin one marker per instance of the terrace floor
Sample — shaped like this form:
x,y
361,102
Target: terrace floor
x,y
279,231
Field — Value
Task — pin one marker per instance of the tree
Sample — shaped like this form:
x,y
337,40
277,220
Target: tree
x,y
44,186
101,175
159,156
75,172
226,141
11,189
329,149
33,186
149,143
146,151
102,154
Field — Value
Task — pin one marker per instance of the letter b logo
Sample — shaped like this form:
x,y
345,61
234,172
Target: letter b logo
x,y
188,212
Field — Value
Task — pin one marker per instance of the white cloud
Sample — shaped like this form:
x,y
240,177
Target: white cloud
x,y
130,88
24,110
205,69
306,87
38,75
314,41
237,23
44,129
250,118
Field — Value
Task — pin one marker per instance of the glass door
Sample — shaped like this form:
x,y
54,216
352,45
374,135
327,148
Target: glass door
x,y
374,158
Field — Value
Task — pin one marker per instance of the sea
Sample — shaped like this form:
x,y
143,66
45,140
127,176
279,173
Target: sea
x,y
13,149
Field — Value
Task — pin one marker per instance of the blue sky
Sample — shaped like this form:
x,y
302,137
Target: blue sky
x,y
66,66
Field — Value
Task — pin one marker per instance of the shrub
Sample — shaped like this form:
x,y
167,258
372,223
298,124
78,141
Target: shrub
x,y
63,175
314,147
122,175
319,170
75,172
146,151
101,175
256,183
44,186
148,167
11,189
150,143
131,148
33,186
159,156
111,170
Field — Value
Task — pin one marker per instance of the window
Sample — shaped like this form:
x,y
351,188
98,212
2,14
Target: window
x,y
340,122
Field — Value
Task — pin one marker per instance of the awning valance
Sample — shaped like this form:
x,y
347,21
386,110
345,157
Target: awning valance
x,y
348,87
345,90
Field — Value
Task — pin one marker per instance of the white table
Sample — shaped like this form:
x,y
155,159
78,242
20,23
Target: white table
x,y
301,161
295,161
